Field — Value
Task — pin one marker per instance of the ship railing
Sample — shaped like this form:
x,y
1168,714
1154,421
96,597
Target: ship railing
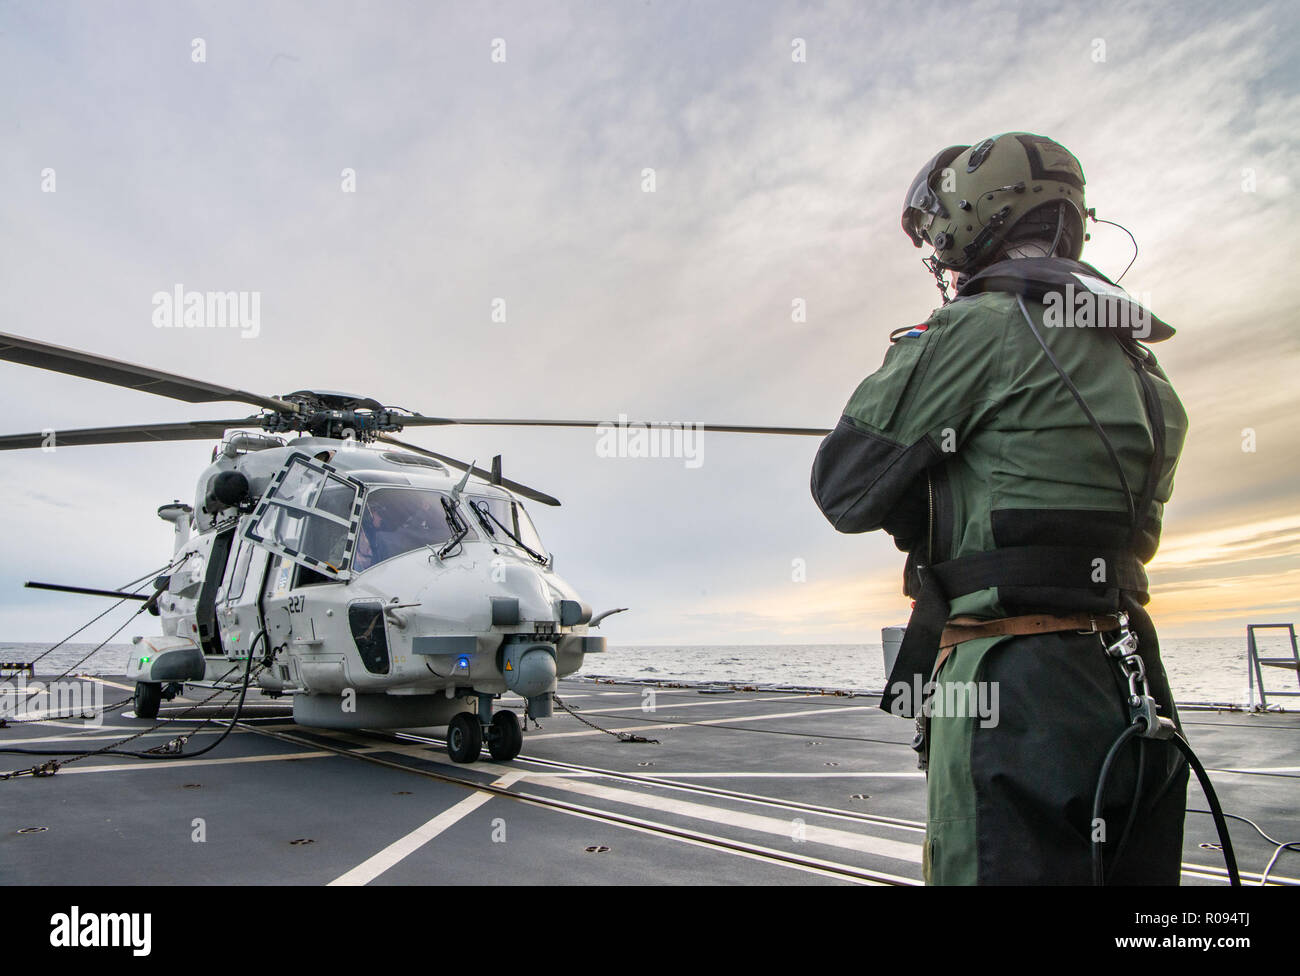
x,y
1255,663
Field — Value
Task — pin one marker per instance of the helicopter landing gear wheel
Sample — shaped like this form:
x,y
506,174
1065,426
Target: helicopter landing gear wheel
x,y
464,737
147,699
505,736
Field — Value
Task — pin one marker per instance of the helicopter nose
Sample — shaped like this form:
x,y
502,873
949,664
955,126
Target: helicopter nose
x,y
520,593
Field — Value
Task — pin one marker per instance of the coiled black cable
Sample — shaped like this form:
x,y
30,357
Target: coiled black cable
x,y
1220,822
111,751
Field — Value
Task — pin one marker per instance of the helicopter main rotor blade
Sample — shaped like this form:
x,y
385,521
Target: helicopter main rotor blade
x,y
421,421
196,430
529,493
74,362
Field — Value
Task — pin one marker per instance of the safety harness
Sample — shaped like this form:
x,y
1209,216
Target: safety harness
x,y
1067,567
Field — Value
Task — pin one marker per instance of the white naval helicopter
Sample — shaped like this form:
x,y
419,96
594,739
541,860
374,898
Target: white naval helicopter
x,y
380,584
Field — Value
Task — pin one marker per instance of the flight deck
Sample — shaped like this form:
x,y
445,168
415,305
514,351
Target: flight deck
x,y
763,786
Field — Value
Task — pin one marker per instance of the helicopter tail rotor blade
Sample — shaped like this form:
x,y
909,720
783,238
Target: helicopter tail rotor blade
x,y
74,362
196,430
530,493
421,421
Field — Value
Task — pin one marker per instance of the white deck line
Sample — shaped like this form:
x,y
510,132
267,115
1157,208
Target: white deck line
x,y
375,865
781,827
83,726
756,852
837,774
1210,873
105,681
100,738
696,704
777,826
664,726
202,761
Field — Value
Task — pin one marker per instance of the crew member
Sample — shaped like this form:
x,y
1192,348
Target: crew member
x,y
1019,445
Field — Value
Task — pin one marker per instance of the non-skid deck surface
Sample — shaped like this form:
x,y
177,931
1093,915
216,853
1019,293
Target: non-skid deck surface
x,y
743,787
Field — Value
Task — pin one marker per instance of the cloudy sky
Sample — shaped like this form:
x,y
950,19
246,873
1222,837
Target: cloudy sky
x,y
501,155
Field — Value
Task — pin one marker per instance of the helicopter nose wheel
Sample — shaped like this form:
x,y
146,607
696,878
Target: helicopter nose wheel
x,y
464,738
505,736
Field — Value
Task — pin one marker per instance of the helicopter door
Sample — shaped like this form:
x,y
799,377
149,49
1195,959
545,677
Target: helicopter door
x,y
309,515
205,613
238,614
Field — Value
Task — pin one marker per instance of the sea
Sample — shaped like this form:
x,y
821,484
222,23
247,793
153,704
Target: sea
x,y
1203,670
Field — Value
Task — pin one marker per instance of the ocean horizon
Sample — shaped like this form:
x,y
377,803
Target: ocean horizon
x,y
1200,669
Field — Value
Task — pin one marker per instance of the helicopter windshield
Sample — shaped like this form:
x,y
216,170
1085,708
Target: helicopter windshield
x,y
504,521
397,521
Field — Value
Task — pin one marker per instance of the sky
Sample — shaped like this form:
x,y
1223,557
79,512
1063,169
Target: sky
x,y
589,210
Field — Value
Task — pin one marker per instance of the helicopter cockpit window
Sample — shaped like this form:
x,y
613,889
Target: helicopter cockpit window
x,y
505,521
240,575
397,521
310,514
337,498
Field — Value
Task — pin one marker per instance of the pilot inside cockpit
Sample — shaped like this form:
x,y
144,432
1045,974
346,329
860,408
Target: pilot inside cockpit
x,y
398,520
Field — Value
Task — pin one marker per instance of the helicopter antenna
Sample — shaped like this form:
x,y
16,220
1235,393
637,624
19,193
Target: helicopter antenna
x,y
460,485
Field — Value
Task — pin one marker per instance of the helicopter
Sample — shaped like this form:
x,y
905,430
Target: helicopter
x,y
377,583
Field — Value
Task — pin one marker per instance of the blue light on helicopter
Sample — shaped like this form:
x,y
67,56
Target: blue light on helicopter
x,y
462,662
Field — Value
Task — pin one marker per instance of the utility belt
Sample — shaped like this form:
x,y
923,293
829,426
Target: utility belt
x,y
1085,569
962,629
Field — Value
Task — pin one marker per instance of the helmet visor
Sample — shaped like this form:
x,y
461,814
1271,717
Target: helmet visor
x,y
922,204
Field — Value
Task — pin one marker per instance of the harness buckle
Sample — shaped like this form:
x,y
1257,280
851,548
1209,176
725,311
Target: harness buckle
x,y
1094,626
1156,725
1141,706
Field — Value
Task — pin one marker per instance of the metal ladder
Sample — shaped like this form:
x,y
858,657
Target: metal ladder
x,y
1255,662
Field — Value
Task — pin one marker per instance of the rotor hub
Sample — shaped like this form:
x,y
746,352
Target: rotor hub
x,y
341,416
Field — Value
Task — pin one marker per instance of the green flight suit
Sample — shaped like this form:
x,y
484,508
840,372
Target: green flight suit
x,y
967,441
